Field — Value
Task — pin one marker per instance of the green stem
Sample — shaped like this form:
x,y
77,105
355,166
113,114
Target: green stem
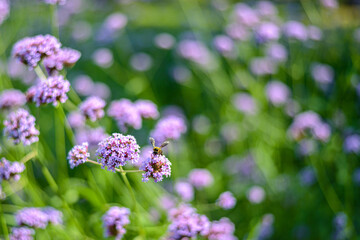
x,y
54,21
28,157
116,169
60,140
3,223
136,210
40,73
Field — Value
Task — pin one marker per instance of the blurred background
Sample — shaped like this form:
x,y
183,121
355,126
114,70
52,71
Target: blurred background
x,y
268,90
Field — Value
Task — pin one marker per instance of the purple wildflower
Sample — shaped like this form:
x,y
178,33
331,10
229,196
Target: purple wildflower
x,y
266,227
91,135
352,144
125,113
22,233
322,73
101,90
76,120
261,66
115,220
331,4
10,170
115,22
184,190
78,155
31,50
237,32
222,229
307,147
32,217
315,33
256,194
164,41
147,109
170,127
200,178
246,15
141,62
20,126
65,57
307,176
54,2
277,52
53,90
156,166
93,108
245,103
11,98
295,30
277,93
117,150
224,45
226,200
84,85
103,57
266,8
339,224
195,51
267,31
54,216
186,223
4,10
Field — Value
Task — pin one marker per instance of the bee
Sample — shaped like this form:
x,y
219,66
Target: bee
x,y
158,150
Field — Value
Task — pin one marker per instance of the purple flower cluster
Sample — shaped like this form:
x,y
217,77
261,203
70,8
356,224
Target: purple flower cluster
x,y
76,120
309,123
322,73
147,109
85,86
117,150
10,170
22,233
245,103
262,66
277,93
31,50
223,229
53,90
78,155
11,98
91,135
65,57
352,144
4,10
186,223
20,126
54,2
185,190
200,178
156,166
93,108
195,51
295,30
256,194
38,217
115,220
169,127
226,200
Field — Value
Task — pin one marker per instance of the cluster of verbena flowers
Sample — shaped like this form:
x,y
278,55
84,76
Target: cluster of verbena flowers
x,y
53,90
20,126
10,170
115,220
226,200
31,50
169,127
78,155
93,108
65,57
156,166
117,150
130,114
38,217
12,98
22,233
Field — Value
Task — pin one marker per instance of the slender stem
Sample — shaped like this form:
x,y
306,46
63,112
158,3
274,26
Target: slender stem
x,y
3,223
28,157
136,210
54,22
40,73
116,169
60,139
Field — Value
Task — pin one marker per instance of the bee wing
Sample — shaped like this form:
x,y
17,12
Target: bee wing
x,y
164,144
152,141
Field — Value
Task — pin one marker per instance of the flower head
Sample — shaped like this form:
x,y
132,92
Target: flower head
x,y
78,155
147,109
65,57
20,126
256,194
76,120
4,10
91,135
226,200
115,220
222,229
185,190
22,233
32,217
170,127
54,216
156,166
11,98
277,92
117,150
352,144
93,108
125,113
10,170
53,90
322,73
31,50
200,178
